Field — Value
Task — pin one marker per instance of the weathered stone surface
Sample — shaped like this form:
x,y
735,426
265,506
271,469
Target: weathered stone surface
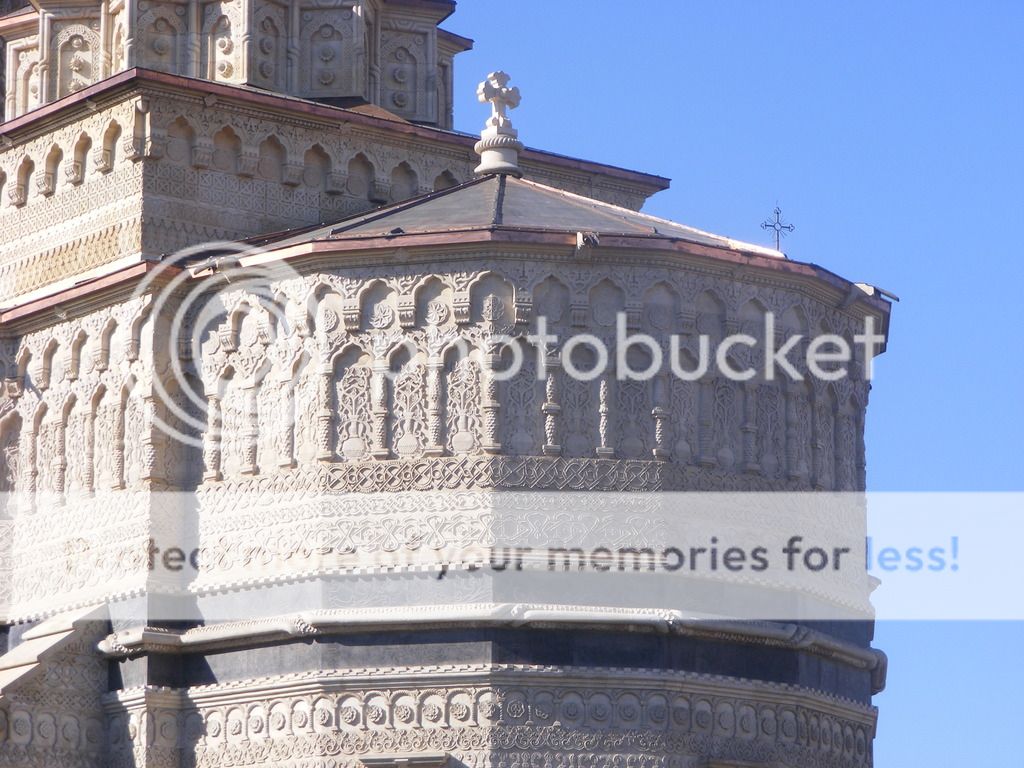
x,y
341,377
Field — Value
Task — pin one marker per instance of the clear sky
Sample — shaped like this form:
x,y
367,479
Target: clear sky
x,y
892,135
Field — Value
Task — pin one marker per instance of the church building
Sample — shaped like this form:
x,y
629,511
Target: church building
x,y
256,302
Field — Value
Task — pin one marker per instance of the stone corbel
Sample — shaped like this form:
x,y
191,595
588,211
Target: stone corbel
x,y
292,175
687,320
18,195
46,184
380,191
634,310
461,307
350,314
103,159
523,307
248,163
337,183
13,387
578,312
74,172
228,339
202,154
407,312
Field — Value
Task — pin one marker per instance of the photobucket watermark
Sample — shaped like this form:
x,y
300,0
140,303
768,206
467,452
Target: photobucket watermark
x,y
828,357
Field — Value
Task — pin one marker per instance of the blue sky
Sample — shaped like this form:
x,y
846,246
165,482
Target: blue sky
x,y
892,135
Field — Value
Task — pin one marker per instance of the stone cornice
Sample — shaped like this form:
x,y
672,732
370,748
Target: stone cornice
x,y
135,81
235,634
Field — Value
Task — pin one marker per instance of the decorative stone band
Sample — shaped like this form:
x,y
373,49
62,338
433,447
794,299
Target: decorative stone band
x,y
490,715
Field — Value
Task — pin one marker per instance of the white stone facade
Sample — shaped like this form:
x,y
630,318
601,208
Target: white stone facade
x,y
364,373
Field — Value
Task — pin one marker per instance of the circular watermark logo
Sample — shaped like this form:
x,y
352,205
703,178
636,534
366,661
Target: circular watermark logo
x,y
195,294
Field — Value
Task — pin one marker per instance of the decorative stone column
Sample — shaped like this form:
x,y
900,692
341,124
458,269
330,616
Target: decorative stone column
x,y
379,409
148,443
660,414
490,404
324,451
89,471
749,429
706,423
792,457
118,464
286,428
59,460
250,431
605,449
817,444
212,440
435,367
552,409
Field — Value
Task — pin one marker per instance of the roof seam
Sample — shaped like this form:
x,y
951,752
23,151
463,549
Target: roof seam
x,y
499,203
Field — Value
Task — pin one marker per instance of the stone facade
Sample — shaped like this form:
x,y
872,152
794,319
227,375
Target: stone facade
x,y
159,165
347,52
351,433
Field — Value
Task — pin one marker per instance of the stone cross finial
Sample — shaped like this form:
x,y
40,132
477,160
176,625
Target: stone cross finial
x,y
496,91
499,144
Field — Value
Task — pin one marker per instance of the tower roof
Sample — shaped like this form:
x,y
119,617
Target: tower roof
x,y
503,202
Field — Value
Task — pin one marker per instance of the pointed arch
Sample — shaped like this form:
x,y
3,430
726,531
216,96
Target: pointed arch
x,y
316,168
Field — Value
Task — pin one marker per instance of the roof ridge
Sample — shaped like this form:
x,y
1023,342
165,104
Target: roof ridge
x,y
624,212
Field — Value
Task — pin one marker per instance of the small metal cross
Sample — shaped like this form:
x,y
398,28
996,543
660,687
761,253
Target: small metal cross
x,y
776,225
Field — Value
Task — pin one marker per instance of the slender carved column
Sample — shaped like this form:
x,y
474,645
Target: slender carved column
x,y
32,469
250,431
435,365
212,440
379,409
817,444
60,461
89,470
660,414
119,419
605,449
706,421
286,429
324,452
792,460
749,429
490,404
551,409
861,463
148,444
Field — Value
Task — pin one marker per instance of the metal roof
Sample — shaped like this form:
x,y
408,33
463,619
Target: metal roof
x,y
500,202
